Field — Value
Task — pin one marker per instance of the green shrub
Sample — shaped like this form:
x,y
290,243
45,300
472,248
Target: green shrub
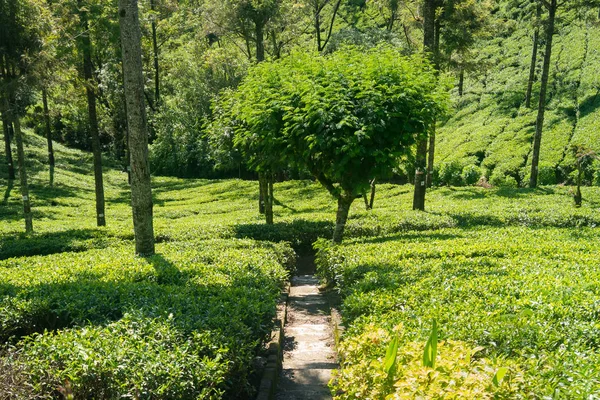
x,y
546,174
471,174
450,173
497,290
501,179
134,357
194,313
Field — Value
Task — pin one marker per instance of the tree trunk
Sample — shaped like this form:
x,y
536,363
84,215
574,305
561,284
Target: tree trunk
x,y
7,148
261,193
318,27
372,199
578,192
421,156
141,190
537,139
13,118
461,81
48,133
91,100
344,202
268,185
155,55
260,41
431,156
534,52
366,200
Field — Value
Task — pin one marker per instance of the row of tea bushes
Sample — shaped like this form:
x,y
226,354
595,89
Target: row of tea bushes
x,y
524,299
185,323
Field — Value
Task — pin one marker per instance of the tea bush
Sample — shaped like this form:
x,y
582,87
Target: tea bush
x,y
184,323
527,296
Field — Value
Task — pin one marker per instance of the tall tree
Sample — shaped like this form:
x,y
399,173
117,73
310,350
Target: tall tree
x,y
141,191
19,43
90,90
551,6
421,156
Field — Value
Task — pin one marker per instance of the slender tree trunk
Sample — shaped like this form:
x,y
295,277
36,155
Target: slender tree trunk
x,y
534,52
155,55
421,156
372,199
141,190
269,199
262,180
91,100
318,28
344,202
6,125
366,200
431,149
260,41
537,139
48,133
461,81
431,157
261,193
14,119
578,192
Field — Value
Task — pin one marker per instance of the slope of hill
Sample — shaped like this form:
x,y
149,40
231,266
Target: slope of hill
x,y
491,127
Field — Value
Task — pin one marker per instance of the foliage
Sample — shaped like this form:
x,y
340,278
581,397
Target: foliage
x,y
205,306
495,291
492,125
471,174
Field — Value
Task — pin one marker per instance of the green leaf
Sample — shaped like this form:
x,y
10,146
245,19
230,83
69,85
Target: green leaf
x,y
430,352
499,376
390,356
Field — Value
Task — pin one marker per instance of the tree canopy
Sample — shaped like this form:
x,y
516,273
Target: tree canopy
x,y
346,117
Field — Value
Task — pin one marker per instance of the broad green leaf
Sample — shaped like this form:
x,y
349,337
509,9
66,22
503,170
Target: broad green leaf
x,y
499,376
430,352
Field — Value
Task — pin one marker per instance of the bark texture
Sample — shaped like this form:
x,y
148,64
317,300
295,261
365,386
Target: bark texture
x,y
6,125
141,191
13,118
344,202
421,156
90,85
155,56
534,52
48,133
537,139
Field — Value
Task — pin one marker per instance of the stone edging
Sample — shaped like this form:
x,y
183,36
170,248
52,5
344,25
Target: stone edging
x,y
274,349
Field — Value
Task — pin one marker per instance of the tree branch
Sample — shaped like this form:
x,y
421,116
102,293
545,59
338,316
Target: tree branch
x,y
335,11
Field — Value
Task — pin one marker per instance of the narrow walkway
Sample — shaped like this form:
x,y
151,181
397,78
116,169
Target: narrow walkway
x,y
309,353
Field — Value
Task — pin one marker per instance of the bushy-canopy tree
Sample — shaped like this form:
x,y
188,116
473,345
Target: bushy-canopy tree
x,y
346,117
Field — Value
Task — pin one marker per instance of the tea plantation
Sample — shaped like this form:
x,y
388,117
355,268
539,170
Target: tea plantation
x,y
511,278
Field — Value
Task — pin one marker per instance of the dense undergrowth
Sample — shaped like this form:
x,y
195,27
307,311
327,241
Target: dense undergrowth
x,y
510,275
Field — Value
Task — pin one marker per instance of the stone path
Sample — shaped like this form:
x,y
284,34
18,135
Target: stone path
x,y
309,352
